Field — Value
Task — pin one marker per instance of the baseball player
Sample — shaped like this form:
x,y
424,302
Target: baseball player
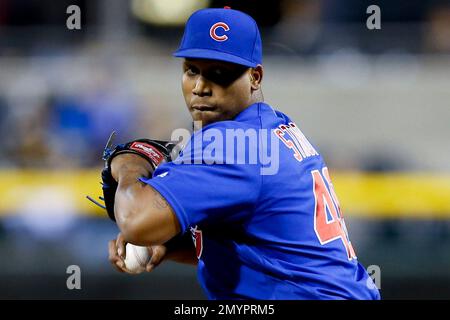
x,y
261,229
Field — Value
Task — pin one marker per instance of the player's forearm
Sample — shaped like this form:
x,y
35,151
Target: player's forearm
x,y
127,201
139,218
127,194
128,212
143,216
128,206
127,170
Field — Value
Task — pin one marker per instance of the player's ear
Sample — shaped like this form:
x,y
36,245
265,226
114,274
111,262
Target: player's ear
x,y
256,75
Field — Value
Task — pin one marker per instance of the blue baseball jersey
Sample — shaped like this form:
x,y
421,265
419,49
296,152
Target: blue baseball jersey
x,y
262,211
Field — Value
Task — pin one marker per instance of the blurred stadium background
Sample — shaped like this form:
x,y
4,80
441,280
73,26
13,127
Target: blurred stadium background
x,y
375,102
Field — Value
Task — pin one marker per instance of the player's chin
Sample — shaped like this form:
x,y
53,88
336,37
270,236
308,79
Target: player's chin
x,y
206,117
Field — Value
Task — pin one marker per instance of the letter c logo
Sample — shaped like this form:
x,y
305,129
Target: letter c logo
x,y
213,34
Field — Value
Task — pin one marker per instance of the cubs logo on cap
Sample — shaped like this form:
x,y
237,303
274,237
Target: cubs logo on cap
x,y
213,30
221,34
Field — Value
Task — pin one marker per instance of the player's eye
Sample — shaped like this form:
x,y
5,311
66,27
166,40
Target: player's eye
x,y
217,75
218,72
191,71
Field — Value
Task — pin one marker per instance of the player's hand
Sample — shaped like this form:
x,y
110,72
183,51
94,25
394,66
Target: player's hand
x,y
158,253
124,163
116,249
117,255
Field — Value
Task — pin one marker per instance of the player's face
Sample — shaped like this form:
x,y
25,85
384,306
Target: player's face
x,y
215,90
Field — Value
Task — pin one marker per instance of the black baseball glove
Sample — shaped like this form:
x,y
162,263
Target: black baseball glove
x,y
154,151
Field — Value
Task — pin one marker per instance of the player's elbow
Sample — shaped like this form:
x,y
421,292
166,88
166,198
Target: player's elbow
x,y
130,231
136,230
141,223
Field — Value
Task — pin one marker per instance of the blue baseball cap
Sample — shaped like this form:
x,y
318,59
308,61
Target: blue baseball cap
x,y
221,34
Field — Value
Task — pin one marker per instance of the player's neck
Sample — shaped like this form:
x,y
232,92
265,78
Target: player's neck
x,y
256,97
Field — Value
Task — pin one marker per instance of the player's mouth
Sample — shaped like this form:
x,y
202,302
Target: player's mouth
x,y
204,108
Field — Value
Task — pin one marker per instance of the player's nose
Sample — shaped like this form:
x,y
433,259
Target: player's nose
x,y
201,87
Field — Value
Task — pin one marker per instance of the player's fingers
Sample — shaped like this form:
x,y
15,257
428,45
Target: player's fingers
x,y
113,257
149,267
118,268
120,244
117,261
121,266
112,251
157,254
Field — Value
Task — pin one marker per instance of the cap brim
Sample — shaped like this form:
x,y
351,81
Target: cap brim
x,y
213,55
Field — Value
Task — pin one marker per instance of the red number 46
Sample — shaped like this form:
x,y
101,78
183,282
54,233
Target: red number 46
x,y
329,223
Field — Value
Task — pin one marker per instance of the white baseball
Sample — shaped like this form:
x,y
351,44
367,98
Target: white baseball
x,y
136,258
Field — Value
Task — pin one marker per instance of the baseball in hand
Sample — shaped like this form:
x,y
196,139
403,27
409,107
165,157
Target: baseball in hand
x,y
136,258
